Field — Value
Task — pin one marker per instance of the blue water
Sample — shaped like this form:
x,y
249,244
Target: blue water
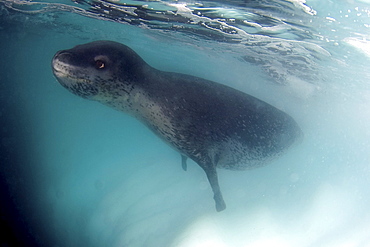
x,y
77,173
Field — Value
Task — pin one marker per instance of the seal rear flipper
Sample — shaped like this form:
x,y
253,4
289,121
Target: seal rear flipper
x,y
183,162
213,180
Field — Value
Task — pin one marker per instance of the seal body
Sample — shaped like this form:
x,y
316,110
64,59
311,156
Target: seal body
x,y
210,123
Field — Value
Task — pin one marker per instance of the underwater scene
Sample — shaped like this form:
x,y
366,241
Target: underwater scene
x,y
109,166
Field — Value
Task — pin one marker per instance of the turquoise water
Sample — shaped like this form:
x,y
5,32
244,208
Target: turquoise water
x,y
77,173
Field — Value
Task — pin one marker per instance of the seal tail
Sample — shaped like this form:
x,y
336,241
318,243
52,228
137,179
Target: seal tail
x,y
213,180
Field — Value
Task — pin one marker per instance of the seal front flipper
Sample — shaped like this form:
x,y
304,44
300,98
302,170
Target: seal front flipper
x,y
213,180
183,162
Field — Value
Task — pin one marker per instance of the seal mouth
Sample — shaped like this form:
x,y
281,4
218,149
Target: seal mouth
x,y
59,73
64,71
75,74
58,69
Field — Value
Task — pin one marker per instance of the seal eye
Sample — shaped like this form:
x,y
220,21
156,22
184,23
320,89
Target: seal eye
x,y
99,64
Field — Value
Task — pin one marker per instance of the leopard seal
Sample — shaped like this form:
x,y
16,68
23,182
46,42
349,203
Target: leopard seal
x,y
213,124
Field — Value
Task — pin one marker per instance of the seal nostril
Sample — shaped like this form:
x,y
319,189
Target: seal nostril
x,y
63,56
61,60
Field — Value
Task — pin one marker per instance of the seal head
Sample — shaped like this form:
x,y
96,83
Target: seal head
x,y
210,123
97,70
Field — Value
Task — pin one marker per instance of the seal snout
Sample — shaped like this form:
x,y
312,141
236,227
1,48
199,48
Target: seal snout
x,y
61,62
70,71
62,56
